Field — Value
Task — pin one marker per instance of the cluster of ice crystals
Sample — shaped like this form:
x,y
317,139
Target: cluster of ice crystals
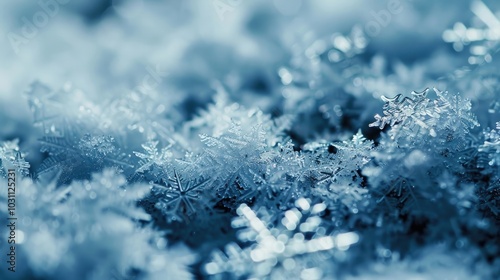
x,y
12,158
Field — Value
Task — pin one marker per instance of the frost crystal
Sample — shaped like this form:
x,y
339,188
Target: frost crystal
x,y
78,157
154,158
11,157
55,247
419,115
491,146
259,150
289,247
180,199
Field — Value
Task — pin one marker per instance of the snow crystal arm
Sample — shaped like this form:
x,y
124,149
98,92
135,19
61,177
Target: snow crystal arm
x,y
10,156
180,199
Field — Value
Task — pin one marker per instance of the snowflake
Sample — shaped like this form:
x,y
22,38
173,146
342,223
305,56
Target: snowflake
x,y
21,165
399,112
57,248
337,162
410,117
293,247
235,176
405,165
54,110
457,110
145,113
153,158
238,146
77,157
491,145
179,199
11,157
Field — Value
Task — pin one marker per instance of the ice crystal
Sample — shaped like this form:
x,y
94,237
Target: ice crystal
x,y
11,157
78,157
54,246
400,111
491,146
421,115
425,158
138,112
235,134
335,169
290,247
490,152
259,150
180,199
154,158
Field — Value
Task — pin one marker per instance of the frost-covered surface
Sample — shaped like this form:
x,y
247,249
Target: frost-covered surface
x,y
251,139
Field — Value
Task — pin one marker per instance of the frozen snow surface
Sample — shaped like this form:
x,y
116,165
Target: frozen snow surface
x,y
239,139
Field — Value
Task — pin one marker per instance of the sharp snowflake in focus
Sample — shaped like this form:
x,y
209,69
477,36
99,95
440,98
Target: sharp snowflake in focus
x,y
179,198
250,139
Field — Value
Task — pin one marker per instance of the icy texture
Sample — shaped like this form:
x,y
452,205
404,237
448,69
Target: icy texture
x,y
12,158
297,245
54,246
252,139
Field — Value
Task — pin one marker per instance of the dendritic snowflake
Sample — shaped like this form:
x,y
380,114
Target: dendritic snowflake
x,y
259,152
483,39
294,246
409,117
53,243
78,156
180,199
489,162
237,147
11,157
154,159
491,146
335,169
